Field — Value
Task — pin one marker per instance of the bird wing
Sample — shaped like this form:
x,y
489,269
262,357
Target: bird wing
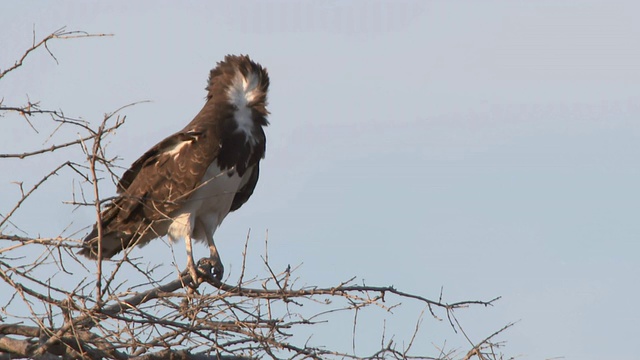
x,y
155,185
246,189
163,178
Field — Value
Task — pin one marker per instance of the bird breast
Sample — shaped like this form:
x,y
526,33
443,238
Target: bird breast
x,y
208,205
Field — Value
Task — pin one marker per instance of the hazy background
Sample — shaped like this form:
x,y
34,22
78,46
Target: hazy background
x,y
490,148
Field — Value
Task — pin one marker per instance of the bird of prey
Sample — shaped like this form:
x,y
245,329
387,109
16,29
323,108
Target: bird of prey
x,y
185,185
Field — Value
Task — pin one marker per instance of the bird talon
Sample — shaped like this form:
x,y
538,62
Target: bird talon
x,y
211,268
193,272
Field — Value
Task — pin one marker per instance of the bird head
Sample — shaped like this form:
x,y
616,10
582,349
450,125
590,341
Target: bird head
x,y
241,82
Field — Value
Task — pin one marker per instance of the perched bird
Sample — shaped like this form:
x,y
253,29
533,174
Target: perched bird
x,y
185,185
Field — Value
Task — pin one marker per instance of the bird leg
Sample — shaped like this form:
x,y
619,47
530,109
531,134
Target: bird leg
x,y
214,260
213,263
191,267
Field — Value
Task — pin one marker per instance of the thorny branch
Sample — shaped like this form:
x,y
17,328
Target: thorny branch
x,y
61,33
33,108
57,308
485,349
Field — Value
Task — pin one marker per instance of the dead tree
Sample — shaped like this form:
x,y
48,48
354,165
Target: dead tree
x,y
53,306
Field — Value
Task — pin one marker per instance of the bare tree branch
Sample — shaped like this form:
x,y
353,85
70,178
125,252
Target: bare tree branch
x,y
58,34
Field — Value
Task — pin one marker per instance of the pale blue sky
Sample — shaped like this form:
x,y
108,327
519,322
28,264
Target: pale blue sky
x,y
487,147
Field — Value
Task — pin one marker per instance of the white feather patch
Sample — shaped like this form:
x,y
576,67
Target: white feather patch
x,y
242,91
181,226
208,205
175,150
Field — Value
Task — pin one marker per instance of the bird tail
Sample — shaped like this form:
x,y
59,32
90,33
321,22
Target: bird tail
x,y
112,241
111,245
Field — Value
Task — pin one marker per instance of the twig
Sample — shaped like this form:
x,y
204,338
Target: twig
x,y
476,350
34,188
58,34
53,148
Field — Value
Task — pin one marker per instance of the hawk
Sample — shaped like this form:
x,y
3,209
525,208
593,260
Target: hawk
x,y
185,185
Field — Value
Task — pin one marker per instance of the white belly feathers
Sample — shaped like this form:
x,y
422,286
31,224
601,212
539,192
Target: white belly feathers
x,y
208,205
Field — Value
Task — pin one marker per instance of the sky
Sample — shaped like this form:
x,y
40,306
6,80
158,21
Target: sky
x,y
483,148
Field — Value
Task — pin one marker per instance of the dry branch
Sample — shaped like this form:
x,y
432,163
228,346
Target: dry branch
x,y
58,34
